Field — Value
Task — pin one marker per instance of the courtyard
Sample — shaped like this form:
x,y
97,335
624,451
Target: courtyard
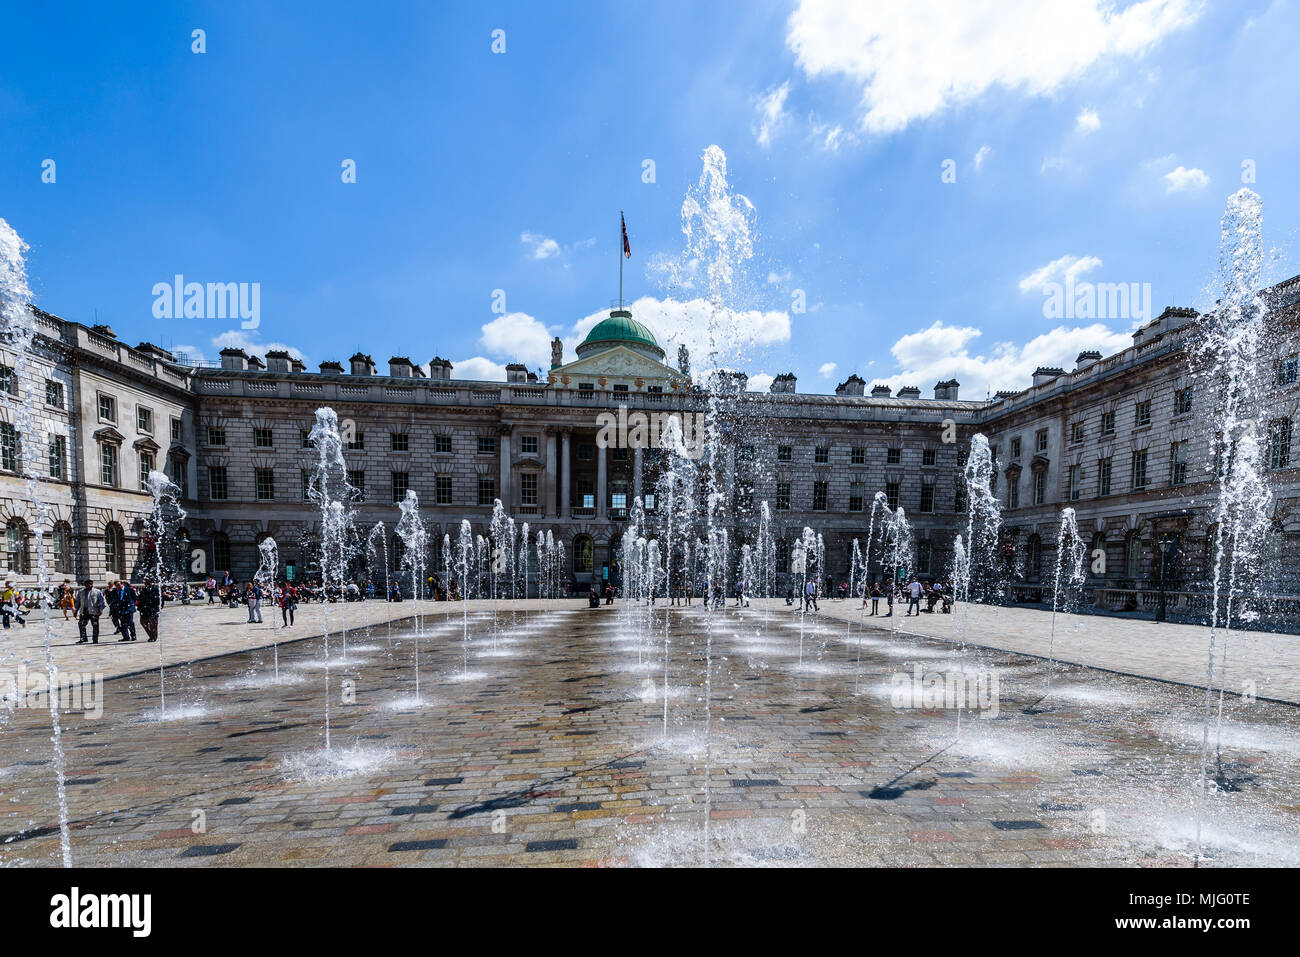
x,y
542,740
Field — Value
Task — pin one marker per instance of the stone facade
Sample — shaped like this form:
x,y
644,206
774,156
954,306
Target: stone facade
x,y
240,451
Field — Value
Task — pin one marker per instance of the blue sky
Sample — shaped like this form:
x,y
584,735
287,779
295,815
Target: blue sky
x,y
1101,140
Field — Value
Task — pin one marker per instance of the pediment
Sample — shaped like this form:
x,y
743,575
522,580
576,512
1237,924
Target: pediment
x,y
110,435
618,362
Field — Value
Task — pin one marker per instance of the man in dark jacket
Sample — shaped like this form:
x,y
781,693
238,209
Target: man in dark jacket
x,y
122,600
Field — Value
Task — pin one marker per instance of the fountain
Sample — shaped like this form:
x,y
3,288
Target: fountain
x,y
18,332
268,567
411,530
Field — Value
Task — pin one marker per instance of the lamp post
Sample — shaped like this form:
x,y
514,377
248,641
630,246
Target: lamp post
x,y
1167,547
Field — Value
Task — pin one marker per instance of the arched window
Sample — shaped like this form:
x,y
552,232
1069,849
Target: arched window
x,y
16,547
62,546
1133,556
114,549
584,555
220,553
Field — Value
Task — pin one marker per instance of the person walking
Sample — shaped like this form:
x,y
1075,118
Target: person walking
x,y
150,602
123,602
66,598
211,587
875,598
89,605
913,598
9,605
288,604
254,597
810,595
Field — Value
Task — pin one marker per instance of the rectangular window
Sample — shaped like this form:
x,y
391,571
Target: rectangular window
x,y
146,466
821,455
107,408
620,387
858,455
264,483
891,494
216,435
1013,490
8,447
217,483
929,457
305,439
178,431
528,444
1142,414
442,489
306,476
54,393
144,419
1279,444
586,451
1103,476
399,441
1108,423
586,492
1041,440
1076,482
487,490
357,479
263,439
528,488
893,456
1076,433
1183,402
618,455
1040,487
179,478
487,445
784,453
783,496
927,497
8,380
357,443
58,457
1015,448
108,464
401,482
819,497
1139,469
856,499
1178,463
1288,370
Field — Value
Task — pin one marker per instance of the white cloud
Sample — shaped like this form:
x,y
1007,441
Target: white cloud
x,y
519,337
760,382
690,323
543,247
238,339
942,352
775,278
771,113
980,156
478,368
827,369
916,58
1181,179
1087,121
1059,271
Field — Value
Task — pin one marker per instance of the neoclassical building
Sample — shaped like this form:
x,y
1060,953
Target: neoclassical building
x,y
1126,440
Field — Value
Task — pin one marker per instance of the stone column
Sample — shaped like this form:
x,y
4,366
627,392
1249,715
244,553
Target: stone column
x,y
504,492
547,502
601,510
564,474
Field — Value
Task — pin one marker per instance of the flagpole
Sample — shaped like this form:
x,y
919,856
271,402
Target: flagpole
x,y
620,259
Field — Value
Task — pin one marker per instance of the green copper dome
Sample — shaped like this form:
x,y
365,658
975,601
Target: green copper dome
x,y
620,329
